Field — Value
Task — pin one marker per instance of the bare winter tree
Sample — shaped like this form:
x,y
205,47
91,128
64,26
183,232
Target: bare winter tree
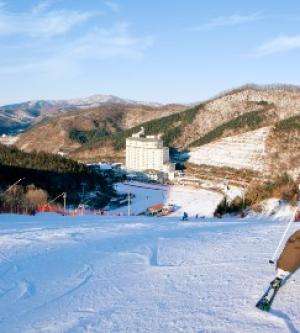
x,y
35,196
15,196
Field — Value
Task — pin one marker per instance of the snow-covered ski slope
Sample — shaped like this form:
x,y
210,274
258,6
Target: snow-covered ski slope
x,y
246,150
138,274
186,199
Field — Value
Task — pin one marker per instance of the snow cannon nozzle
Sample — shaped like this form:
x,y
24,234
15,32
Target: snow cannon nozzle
x,y
271,262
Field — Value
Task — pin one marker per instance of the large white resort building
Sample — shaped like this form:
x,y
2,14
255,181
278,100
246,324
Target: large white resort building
x,y
147,153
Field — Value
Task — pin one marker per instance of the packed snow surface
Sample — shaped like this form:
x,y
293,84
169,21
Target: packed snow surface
x,y
186,199
138,274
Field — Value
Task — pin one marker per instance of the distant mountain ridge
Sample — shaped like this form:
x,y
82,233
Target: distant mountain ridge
x,y
102,120
99,133
15,118
238,115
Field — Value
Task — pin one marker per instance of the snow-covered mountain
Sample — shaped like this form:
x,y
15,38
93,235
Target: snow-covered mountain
x,y
90,101
99,99
15,118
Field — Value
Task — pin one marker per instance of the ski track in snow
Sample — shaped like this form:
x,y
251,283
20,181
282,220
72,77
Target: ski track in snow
x,y
139,274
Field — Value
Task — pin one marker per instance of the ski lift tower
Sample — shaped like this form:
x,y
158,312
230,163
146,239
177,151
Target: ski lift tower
x,y
65,201
82,196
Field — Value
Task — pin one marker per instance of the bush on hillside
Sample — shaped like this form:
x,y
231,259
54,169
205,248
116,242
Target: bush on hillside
x,y
288,124
283,187
263,103
235,206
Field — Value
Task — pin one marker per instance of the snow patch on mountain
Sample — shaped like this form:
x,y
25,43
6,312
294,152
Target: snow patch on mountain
x,y
244,151
84,102
15,118
98,99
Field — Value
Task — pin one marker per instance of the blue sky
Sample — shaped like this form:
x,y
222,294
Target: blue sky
x,y
158,50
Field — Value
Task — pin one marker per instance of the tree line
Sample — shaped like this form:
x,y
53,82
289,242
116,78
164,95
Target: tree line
x,y
52,174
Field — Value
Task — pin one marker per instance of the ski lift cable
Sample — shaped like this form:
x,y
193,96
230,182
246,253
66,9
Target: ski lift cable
x,y
15,183
60,195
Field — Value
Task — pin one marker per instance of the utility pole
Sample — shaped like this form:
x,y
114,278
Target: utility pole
x,y
128,199
244,190
83,185
65,201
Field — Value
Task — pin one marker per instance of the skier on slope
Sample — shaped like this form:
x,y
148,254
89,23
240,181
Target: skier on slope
x,y
289,260
287,264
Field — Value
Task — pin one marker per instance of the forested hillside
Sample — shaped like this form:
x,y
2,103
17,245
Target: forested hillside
x,y
74,128
170,127
283,145
52,173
